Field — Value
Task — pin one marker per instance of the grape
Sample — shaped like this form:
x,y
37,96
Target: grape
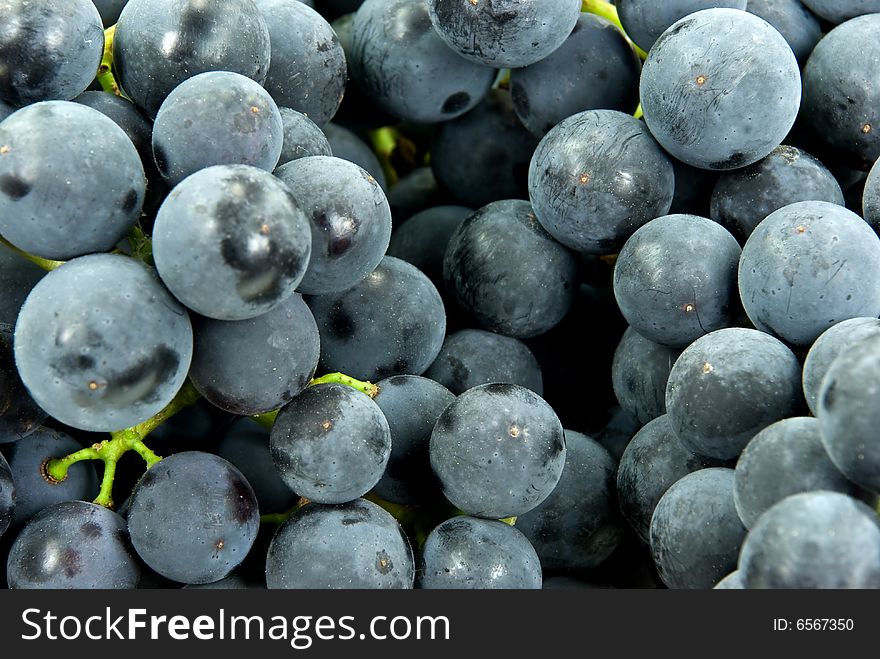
x,y
244,229
256,365
50,49
645,20
7,495
347,145
728,385
193,517
417,191
695,531
467,552
331,443
237,122
522,295
301,137
675,279
19,414
594,68
785,458
504,34
839,11
498,450
807,266
391,323
720,89
579,525
651,463
349,218
33,490
101,194
73,544
472,357
245,444
813,540
732,581
847,415
639,373
129,118
830,344
353,545
596,177
411,405
405,68
871,199
307,70
499,149
618,432
800,28
101,345
423,238
742,198
160,43
842,92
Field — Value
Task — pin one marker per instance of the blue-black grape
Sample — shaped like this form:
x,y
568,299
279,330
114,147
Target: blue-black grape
x,y
720,89
94,174
813,540
17,277
403,65
498,450
579,525
504,34
473,553
827,347
256,365
390,323
526,292
19,414
645,20
331,443
216,118
307,69
352,545
101,345
471,357
302,137
346,144
741,199
675,279
695,532
728,385
422,238
193,517
50,49
639,372
651,463
871,197
785,458
807,266
594,68
847,415
160,43
838,11
596,177
33,490
349,218
795,22
411,405
244,229
73,544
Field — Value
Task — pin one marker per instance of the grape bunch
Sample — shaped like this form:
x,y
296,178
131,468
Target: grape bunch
x,y
439,293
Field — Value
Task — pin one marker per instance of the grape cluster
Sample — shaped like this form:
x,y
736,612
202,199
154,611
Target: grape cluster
x,y
439,293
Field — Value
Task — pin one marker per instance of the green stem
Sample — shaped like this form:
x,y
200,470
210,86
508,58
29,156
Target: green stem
x,y
384,141
267,419
279,518
141,245
121,442
45,264
105,69
608,11
341,378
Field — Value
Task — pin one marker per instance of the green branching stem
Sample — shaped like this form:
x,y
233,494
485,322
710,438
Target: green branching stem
x,y
608,11
120,443
45,264
105,69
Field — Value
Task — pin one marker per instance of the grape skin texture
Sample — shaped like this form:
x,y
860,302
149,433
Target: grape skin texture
x,y
353,545
871,198
645,20
302,137
101,345
720,89
40,174
251,240
73,545
193,517
498,450
467,552
639,373
813,540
